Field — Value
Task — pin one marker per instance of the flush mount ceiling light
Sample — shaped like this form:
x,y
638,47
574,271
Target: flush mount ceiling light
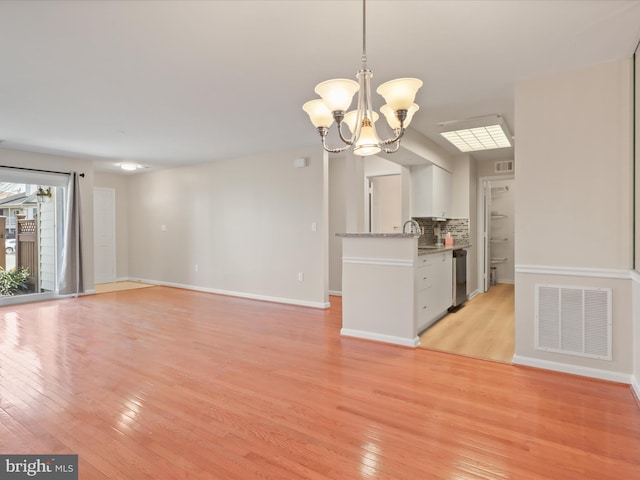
x,y
337,95
479,133
130,167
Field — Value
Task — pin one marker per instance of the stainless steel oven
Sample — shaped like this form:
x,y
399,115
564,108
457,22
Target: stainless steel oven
x,y
459,278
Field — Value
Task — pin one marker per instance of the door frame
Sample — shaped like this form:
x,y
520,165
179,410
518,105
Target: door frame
x,y
484,222
368,193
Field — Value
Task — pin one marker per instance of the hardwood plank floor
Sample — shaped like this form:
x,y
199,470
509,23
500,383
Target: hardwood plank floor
x,y
119,286
482,328
163,383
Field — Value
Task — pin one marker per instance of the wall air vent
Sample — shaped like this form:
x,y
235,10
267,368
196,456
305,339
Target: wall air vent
x,y
504,166
574,320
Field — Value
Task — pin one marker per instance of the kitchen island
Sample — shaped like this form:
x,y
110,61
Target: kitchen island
x,y
391,289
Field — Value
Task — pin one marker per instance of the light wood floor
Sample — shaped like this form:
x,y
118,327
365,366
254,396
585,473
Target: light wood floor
x,y
120,286
482,328
163,383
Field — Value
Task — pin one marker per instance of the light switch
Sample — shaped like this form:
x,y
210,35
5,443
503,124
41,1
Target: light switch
x,y
163,228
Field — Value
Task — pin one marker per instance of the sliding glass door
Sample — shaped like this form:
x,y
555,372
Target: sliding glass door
x,y
31,208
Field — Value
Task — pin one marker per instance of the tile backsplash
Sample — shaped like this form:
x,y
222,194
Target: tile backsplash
x,y
458,227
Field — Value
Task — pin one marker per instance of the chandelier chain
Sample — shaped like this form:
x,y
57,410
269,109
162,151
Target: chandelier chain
x,y
364,34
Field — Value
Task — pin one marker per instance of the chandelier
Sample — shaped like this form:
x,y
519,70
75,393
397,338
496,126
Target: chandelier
x,y
337,94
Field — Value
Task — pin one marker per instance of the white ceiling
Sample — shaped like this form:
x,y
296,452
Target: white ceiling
x,y
166,83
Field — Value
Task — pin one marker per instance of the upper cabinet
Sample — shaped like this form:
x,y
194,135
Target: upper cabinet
x,y
430,191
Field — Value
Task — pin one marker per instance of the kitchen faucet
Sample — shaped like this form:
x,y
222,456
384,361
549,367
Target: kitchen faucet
x,y
415,227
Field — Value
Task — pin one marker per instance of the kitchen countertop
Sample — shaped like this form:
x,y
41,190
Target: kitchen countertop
x,y
378,235
433,249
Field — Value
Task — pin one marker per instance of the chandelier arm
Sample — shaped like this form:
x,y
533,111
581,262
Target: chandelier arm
x,y
392,150
399,134
323,135
347,142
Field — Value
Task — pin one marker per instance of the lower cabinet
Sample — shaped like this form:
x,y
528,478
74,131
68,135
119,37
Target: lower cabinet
x,y
433,288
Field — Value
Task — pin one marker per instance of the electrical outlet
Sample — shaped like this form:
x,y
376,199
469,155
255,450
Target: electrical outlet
x,y
196,268
300,276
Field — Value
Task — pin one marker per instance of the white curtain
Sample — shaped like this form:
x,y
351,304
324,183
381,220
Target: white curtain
x,y
70,276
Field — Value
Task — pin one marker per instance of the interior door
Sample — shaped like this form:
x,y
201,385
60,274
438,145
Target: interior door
x,y
104,234
386,204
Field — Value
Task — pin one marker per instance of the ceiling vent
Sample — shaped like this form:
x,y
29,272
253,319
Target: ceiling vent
x,y
574,320
504,167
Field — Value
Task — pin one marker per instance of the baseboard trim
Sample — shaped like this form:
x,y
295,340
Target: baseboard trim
x,y
231,293
335,292
473,294
635,387
378,337
573,369
574,271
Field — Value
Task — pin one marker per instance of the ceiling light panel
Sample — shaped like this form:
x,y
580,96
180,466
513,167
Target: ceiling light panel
x,y
481,133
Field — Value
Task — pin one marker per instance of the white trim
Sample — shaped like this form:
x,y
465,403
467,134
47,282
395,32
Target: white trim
x,y
392,262
574,271
89,292
635,386
573,369
635,276
378,337
28,298
265,298
473,294
335,292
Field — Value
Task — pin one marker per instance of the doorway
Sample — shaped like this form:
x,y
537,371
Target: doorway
x,y
104,235
496,229
31,226
485,327
385,203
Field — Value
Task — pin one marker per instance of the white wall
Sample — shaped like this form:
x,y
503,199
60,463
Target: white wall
x,y
416,149
15,158
636,334
573,201
464,204
337,219
487,168
245,223
120,184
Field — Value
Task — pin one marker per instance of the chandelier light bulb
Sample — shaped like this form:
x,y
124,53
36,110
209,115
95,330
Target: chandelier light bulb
x,y
351,119
337,93
318,112
392,119
400,93
367,143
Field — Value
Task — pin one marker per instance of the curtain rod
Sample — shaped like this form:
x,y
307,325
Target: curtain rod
x,y
39,170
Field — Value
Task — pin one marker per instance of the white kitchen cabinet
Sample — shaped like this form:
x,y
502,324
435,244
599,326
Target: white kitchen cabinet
x,y
434,288
430,191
